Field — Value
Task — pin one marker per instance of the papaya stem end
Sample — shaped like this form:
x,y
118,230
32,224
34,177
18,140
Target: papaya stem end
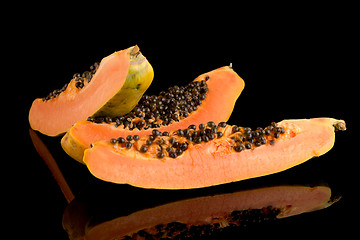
x,y
340,125
135,51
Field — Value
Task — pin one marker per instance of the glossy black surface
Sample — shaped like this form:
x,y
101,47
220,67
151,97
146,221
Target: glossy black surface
x,y
292,69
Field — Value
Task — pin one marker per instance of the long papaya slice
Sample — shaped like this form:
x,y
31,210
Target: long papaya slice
x,y
110,88
210,96
210,154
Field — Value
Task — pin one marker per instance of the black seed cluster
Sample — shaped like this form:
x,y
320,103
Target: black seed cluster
x,y
178,230
175,143
246,138
203,133
55,93
125,142
179,142
155,111
85,76
79,81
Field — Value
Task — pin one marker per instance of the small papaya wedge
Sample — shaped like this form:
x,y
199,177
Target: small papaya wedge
x,y
210,154
110,88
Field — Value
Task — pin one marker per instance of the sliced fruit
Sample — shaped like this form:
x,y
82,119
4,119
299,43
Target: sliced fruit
x,y
210,96
211,154
112,87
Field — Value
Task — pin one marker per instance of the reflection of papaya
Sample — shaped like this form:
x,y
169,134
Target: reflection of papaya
x,y
202,215
45,154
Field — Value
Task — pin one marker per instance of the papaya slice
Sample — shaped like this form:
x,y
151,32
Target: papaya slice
x,y
112,87
212,154
207,97
196,217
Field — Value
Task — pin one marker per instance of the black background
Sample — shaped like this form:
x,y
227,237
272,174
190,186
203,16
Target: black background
x,y
295,63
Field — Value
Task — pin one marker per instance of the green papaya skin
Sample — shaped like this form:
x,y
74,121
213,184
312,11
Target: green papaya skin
x,y
138,80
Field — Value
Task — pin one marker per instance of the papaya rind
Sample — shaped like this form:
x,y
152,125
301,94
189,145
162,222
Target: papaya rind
x,y
138,80
73,147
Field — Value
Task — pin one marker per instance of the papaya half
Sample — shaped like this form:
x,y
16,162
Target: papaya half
x,y
210,154
110,88
197,217
209,96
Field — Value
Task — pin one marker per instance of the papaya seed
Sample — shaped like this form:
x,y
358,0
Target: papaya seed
x,y
238,148
156,132
222,124
143,149
180,133
121,140
79,85
172,155
192,126
179,151
235,129
211,136
210,124
205,138
160,155
201,126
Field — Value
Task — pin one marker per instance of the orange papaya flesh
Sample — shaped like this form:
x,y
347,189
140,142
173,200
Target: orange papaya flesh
x,y
201,158
215,100
94,92
236,209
